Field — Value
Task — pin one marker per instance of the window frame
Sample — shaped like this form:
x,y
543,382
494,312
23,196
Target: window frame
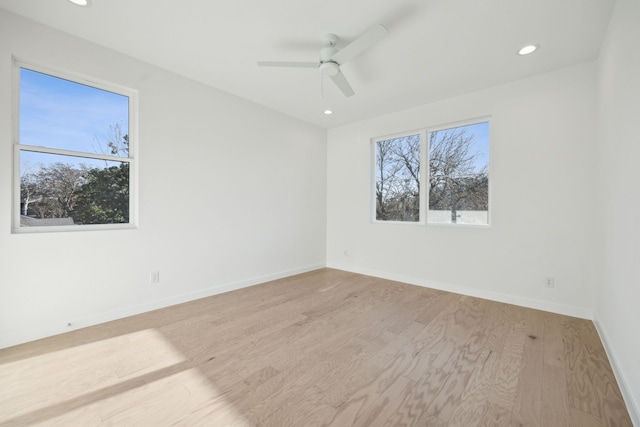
x,y
131,94
424,173
462,123
423,176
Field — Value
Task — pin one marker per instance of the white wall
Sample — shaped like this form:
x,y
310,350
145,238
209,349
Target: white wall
x,y
618,286
542,142
231,194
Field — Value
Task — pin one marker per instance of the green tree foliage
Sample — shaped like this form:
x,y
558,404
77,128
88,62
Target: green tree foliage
x,y
104,198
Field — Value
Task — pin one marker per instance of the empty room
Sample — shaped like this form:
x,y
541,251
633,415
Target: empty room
x,y
306,213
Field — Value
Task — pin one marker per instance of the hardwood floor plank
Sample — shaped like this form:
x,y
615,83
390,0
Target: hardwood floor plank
x,y
473,405
256,403
535,325
500,326
555,402
385,405
503,390
495,416
583,419
450,396
608,395
449,330
553,343
370,367
580,387
361,403
437,302
164,401
527,408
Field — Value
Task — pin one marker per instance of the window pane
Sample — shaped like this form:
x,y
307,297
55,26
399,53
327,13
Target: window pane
x,y
62,114
459,175
65,190
398,179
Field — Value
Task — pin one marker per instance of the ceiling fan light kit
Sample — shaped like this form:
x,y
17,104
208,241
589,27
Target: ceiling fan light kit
x,y
331,58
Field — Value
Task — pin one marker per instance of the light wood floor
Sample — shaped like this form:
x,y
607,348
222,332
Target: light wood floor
x,y
322,348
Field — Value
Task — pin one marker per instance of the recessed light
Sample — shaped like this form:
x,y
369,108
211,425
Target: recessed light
x,y
528,49
81,2
328,112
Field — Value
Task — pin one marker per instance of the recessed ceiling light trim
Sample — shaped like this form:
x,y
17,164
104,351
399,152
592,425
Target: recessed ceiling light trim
x,y
528,49
328,112
83,3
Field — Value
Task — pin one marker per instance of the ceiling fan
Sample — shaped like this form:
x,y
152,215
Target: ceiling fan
x,y
331,58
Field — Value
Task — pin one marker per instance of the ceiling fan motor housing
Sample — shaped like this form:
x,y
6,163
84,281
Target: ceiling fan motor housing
x,y
328,67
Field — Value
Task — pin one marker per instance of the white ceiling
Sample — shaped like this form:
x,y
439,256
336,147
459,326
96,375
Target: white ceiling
x,y
435,48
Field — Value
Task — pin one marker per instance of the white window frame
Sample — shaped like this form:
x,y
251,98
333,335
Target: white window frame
x,y
424,174
462,123
132,96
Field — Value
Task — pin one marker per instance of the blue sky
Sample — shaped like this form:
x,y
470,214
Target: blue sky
x,y
58,113
480,132
480,145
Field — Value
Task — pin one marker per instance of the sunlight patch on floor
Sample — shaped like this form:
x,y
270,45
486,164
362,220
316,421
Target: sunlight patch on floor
x,y
108,382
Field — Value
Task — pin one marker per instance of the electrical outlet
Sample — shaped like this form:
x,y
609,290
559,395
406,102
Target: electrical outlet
x,y
154,277
550,282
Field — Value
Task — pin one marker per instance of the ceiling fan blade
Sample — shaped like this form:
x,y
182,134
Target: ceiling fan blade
x,y
341,81
288,64
359,45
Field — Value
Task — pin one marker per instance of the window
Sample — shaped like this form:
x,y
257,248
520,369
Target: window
x,y
457,177
74,162
398,178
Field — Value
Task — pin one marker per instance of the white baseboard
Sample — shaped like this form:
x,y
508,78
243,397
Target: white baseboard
x,y
55,328
566,310
632,402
